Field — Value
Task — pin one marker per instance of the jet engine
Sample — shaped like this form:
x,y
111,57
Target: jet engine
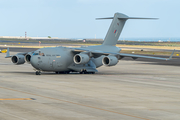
x,y
81,58
109,60
27,58
18,59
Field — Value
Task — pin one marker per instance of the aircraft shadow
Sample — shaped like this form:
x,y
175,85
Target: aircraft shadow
x,y
96,74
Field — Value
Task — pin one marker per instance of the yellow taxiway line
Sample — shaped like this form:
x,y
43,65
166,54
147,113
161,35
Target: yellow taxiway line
x,y
75,103
16,99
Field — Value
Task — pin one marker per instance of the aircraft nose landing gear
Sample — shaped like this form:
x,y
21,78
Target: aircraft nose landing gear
x,y
38,72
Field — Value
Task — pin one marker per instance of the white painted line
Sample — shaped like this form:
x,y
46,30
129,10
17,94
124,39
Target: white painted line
x,y
13,115
148,83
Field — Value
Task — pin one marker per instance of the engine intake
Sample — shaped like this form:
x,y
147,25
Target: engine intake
x,y
27,58
109,60
81,58
18,59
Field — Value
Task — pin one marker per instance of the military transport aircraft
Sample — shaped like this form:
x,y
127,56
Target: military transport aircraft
x,y
83,60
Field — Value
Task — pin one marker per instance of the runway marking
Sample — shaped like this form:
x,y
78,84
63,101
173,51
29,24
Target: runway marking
x,y
76,103
16,99
12,115
148,83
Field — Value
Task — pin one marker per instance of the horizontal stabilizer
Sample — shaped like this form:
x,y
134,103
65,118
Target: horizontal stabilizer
x,y
121,18
105,18
116,27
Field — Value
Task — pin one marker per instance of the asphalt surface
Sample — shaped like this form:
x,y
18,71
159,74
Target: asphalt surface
x,y
131,90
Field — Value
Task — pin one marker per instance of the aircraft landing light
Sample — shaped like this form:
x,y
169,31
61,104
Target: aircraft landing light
x,y
17,99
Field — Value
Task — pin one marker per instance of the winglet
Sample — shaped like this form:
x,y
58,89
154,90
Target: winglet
x,y
171,55
7,54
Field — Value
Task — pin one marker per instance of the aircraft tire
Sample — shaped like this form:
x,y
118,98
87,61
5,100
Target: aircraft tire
x,y
38,73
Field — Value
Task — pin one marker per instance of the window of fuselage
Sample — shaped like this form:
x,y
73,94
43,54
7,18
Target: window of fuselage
x,y
42,54
36,54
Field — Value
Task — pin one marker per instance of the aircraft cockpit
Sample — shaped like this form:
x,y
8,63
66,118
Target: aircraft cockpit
x,y
38,53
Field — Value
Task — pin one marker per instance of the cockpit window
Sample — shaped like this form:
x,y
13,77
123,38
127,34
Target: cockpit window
x,y
35,54
42,54
39,53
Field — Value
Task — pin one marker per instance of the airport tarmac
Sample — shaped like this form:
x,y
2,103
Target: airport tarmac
x,y
131,90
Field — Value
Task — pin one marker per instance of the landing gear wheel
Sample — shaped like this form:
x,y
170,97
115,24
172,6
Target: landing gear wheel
x,y
84,72
67,72
38,73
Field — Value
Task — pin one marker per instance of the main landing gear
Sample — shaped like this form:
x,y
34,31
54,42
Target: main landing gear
x,y
65,72
85,72
38,72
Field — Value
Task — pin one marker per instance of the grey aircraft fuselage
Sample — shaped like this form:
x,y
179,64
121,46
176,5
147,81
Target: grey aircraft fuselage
x,y
60,58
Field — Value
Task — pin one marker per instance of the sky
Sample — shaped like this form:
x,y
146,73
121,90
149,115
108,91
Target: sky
x,y
76,18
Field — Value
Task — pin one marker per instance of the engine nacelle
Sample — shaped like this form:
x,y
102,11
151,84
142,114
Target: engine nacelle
x,y
109,60
81,58
27,58
18,59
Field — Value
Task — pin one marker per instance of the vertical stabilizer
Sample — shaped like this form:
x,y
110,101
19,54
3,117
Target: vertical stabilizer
x,y
116,27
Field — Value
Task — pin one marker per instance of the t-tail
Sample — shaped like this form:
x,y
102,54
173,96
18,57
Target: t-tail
x,y
116,27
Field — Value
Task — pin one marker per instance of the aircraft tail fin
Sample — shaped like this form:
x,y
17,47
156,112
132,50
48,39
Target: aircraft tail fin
x,y
116,27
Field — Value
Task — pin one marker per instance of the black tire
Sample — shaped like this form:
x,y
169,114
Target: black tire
x,y
38,73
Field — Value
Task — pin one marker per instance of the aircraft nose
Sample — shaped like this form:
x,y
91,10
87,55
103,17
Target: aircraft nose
x,y
34,61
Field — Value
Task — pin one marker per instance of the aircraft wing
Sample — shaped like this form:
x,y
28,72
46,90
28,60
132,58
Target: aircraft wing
x,y
142,56
97,53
